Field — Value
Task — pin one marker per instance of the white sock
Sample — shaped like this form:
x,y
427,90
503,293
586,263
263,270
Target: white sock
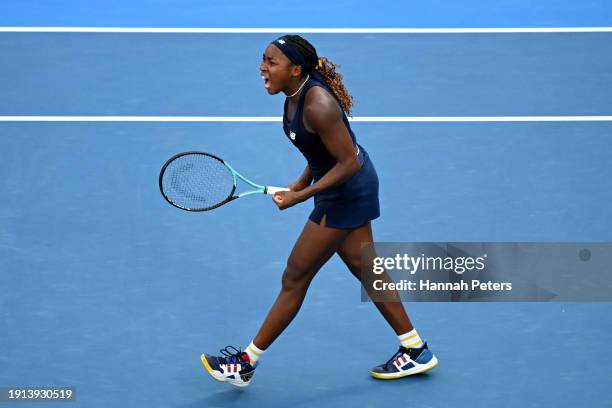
x,y
410,339
254,353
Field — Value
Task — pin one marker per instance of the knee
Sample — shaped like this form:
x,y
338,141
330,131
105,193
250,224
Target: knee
x,y
296,276
353,262
356,266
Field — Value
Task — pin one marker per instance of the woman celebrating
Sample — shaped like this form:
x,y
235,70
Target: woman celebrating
x,y
343,181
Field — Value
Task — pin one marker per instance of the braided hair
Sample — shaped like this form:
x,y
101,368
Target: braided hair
x,y
326,69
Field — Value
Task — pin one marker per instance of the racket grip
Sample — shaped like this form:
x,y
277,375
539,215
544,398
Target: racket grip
x,y
272,190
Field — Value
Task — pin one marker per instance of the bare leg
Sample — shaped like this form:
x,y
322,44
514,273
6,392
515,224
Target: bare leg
x,y
350,252
313,248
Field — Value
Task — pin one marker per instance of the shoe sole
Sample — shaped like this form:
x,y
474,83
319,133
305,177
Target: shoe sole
x,y
218,376
421,368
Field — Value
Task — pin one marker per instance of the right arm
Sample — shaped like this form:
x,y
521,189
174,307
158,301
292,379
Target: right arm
x,y
304,181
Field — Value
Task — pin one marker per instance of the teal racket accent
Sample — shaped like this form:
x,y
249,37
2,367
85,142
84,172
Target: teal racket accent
x,y
199,181
259,189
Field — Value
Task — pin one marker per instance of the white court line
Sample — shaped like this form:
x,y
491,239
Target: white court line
x,y
380,119
305,30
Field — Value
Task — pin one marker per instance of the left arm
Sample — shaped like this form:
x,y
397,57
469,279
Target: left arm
x,y
324,116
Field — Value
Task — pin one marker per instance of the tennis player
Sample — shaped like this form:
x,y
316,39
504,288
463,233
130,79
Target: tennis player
x,y
342,179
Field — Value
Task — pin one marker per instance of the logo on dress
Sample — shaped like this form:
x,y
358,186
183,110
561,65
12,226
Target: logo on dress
x,y
292,135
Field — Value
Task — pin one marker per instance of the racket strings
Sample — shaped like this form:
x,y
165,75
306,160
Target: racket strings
x,y
197,181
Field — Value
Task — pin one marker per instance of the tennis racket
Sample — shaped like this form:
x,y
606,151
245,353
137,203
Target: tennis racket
x,y
198,181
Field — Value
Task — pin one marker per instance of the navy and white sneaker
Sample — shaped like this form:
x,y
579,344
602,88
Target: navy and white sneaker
x,y
407,361
233,366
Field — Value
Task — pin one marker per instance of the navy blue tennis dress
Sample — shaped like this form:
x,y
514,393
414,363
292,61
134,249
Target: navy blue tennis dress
x,y
350,204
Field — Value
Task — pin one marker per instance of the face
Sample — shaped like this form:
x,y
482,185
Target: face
x,y
277,71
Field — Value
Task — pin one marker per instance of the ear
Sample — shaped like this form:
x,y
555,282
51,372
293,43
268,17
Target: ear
x,y
296,71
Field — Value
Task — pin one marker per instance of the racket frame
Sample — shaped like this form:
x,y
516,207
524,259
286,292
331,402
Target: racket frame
x,y
258,188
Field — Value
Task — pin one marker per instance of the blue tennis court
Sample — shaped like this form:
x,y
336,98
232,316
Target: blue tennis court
x,y
108,289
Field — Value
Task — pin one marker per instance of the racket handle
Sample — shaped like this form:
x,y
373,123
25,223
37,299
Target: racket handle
x,y
272,190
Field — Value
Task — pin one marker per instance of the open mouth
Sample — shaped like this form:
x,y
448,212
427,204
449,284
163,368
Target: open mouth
x,y
266,82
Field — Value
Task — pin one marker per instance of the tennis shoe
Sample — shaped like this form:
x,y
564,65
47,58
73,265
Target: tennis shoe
x,y
232,366
406,361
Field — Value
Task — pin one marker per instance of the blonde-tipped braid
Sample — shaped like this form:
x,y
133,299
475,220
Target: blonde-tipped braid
x,y
334,79
326,69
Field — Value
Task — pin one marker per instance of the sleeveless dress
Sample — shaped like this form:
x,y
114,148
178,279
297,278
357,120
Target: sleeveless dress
x,y
350,204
